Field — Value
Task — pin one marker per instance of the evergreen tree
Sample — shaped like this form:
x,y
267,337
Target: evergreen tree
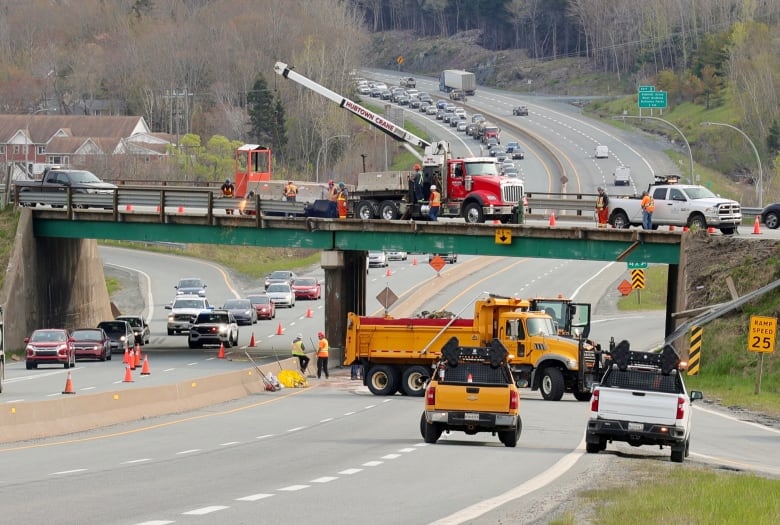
x,y
266,117
773,139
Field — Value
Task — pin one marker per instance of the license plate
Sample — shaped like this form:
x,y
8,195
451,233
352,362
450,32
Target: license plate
x,y
470,416
636,427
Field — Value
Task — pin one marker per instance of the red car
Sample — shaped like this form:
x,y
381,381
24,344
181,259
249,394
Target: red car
x,y
264,307
91,343
49,346
307,288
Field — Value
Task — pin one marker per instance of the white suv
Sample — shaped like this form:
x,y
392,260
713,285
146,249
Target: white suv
x,y
183,311
213,327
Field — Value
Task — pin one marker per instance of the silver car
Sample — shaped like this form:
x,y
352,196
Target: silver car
x,y
281,294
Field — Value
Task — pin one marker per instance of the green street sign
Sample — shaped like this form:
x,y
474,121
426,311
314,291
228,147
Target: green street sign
x,y
636,265
646,88
652,99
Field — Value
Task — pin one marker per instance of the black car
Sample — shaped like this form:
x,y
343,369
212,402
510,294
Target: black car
x,y
520,111
770,215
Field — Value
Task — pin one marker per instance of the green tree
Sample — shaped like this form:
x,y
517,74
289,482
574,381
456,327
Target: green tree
x,y
773,139
266,117
711,84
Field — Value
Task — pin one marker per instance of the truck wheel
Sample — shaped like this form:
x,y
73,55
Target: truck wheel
x,y
473,213
552,384
381,380
365,210
430,431
619,220
413,381
170,332
678,454
510,437
582,396
731,230
772,220
388,211
592,448
697,222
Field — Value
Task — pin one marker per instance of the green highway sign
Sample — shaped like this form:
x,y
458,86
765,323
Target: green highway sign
x,y
636,265
652,99
646,88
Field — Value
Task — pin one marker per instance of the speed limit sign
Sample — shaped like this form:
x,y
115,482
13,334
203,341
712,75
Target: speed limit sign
x,y
763,334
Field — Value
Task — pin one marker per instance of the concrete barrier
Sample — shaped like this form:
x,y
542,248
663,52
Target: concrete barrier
x,y
69,414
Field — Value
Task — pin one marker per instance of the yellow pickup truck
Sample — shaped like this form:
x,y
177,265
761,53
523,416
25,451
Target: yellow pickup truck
x,y
471,391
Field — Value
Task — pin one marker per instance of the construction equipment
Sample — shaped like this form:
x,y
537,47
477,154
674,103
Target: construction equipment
x,y
269,385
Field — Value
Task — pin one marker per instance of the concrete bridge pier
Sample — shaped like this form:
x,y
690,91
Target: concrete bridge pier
x,y
345,291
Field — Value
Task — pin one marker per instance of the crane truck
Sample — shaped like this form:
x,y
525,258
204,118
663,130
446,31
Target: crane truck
x,y
470,187
547,340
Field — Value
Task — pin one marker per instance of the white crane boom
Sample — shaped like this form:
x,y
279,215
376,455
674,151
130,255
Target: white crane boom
x,y
396,132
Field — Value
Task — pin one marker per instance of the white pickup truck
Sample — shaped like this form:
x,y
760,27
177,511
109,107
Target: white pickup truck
x,y
642,400
678,205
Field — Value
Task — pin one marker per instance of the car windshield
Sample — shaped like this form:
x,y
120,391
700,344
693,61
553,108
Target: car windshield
x,y
190,283
481,168
209,317
700,193
87,335
48,336
83,177
114,328
279,287
260,299
305,282
188,303
237,304
279,275
541,326
134,321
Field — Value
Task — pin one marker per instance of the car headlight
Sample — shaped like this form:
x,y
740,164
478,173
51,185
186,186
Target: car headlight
x,y
223,328
170,318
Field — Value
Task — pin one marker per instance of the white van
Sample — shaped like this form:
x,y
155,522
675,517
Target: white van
x,y
622,176
602,152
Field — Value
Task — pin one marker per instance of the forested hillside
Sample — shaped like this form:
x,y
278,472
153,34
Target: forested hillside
x,y
203,68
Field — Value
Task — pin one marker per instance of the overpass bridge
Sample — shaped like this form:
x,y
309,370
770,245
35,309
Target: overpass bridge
x,y
194,215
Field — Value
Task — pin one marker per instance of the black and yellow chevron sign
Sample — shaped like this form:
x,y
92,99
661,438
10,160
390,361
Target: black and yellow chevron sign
x,y
694,354
637,279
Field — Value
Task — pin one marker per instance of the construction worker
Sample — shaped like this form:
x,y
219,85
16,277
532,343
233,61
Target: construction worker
x,y
602,208
228,192
435,202
648,207
323,349
341,200
290,191
417,183
333,191
299,351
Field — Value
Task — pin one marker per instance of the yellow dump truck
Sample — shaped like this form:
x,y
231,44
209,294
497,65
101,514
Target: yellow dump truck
x,y
471,391
546,339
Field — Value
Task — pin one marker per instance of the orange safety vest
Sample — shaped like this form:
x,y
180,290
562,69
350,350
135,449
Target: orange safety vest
x,y
227,190
290,190
322,351
648,204
435,199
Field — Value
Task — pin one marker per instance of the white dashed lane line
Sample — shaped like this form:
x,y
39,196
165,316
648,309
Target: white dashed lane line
x,y
205,510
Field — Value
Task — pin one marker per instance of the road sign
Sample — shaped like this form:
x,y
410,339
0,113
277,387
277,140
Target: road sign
x,y
637,279
503,236
400,60
643,89
652,99
635,265
437,263
387,298
624,287
763,334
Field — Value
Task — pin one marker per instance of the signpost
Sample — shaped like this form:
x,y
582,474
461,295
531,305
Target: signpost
x,y
652,99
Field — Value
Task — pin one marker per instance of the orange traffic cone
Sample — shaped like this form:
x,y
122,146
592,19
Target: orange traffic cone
x,y
552,219
388,273
221,353
710,230
469,379
756,226
414,261
145,370
309,313
252,341
137,361
128,375
69,386
126,359
279,330
131,359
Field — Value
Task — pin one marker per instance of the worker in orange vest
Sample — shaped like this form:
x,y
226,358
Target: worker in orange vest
x,y
228,192
290,191
323,349
648,207
341,200
435,202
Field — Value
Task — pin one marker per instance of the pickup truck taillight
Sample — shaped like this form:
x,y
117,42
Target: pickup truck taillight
x,y
514,400
681,407
594,401
430,396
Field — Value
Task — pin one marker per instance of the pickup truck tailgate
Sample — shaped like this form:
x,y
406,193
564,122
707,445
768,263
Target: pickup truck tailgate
x,y
637,405
468,385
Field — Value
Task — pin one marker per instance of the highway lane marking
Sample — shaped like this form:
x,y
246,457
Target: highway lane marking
x,y
264,436
204,510
190,451
229,443
134,461
732,418
148,280
255,497
350,471
327,419
75,470
391,456
293,488
372,463
295,429
156,522
324,479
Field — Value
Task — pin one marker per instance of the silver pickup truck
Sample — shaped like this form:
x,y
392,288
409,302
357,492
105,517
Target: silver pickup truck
x,y
642,400
678,205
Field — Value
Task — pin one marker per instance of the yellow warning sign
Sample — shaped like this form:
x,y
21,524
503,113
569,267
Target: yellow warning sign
x,y
503,236
763,334
400,60
637,279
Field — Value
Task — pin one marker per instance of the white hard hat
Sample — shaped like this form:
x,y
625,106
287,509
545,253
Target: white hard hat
x,y
433,186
